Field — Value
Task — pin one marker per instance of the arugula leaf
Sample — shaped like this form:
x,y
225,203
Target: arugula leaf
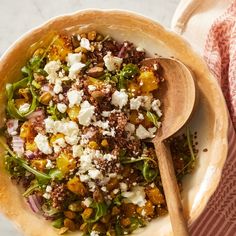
x,y
128,72
118,228
11,107
149,173
56,174
34,185
153,118
22,163
117,200
54,113
100,210
58,223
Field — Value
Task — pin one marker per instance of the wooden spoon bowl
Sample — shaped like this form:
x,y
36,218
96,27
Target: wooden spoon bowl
x,y
178,97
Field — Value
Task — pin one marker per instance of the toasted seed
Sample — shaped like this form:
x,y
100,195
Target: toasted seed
x,y
92,35
75,207
69,214
63,230
39,52
69,224
87,213
45,98
99,37
97,94
80,49
95,71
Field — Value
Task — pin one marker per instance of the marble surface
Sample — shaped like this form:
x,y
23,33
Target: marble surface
x,y
19,16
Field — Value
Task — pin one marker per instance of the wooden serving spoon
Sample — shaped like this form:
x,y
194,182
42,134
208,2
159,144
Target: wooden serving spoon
x,y
178,98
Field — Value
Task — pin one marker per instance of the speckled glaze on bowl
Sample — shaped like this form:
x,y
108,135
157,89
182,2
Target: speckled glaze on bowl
x,y
209,119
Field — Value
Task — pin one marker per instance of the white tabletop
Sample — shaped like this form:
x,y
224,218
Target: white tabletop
x,y
19,16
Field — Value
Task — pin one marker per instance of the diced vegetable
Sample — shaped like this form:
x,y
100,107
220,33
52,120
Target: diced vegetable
x,y
65,163
155,196
39,164
60,48
26,130
148,81
68,223
76,186
73,112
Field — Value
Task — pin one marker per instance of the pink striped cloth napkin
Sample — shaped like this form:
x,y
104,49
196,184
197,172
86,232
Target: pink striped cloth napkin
x,y
216,22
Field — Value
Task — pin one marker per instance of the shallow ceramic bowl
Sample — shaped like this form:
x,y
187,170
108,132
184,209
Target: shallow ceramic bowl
x,y
209,119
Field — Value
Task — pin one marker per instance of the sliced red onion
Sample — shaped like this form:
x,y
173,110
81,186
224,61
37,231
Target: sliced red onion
x,y
38,114
12,126
29,154
18,144
46,88
122,52
35,203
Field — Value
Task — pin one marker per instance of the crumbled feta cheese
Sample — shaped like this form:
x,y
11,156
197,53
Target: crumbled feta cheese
x,y
47,195
49,189
42,144
52,67
130,128
72,139
112,63
109,157
57,87
58,144
101,124
75,69
95,174
49,164
94,233
106,113
62,107
135,103
92,88
61,97
153,130
24,108
104,189
156,107
49,125
75,97
143,212
140,49
142,133
147,100
123,187
115,191
119,98
84,178
73,58
140,116
87,202
136,196
84,43
77,150
109,133
86,113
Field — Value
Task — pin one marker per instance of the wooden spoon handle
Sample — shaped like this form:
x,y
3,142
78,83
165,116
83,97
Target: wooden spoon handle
x,y
171,190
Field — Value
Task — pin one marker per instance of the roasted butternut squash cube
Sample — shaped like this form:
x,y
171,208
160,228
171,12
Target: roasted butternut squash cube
x,y
73,113
65,162
39,164
155,196
148,81
60,48
76,186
